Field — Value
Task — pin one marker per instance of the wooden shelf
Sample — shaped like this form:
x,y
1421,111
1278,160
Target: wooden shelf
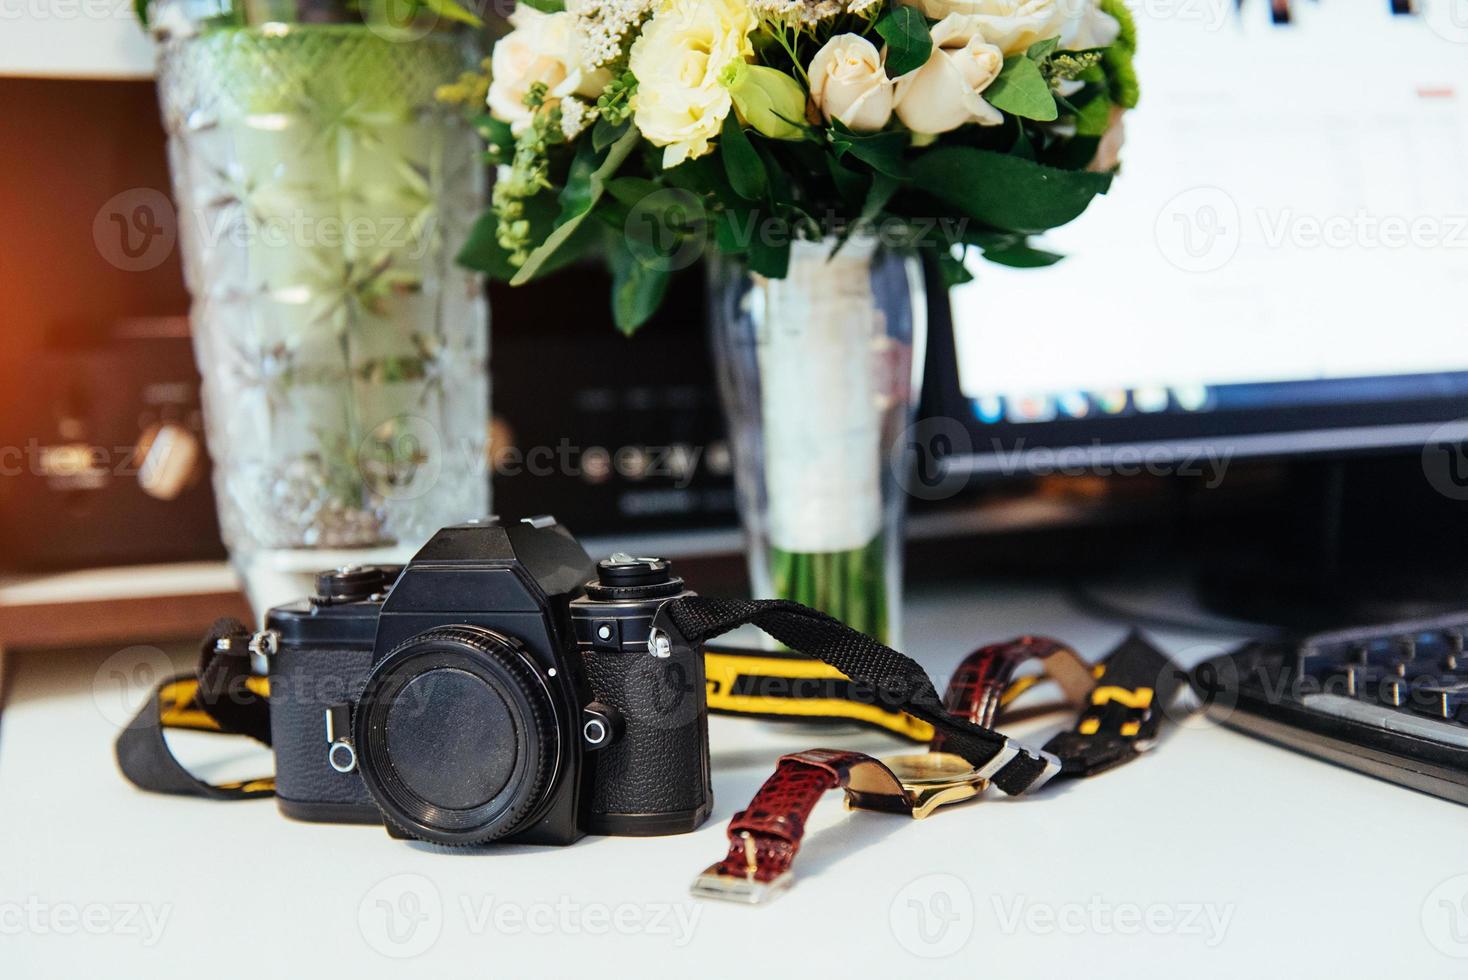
x,y
144,603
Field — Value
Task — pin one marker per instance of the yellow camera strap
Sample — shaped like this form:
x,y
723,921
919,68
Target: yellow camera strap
x,y
776,684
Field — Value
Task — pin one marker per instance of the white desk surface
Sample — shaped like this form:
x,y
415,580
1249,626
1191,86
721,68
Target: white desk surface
x,y
1215,856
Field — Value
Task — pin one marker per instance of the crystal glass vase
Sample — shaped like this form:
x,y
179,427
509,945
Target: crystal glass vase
x,y
322,194
820,374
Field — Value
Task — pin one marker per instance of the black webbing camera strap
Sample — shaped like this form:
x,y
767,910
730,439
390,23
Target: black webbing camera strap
x,y
223,697
885,675
1135,682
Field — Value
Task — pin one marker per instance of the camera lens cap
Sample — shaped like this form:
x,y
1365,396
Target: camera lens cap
x,y
456,735
625,577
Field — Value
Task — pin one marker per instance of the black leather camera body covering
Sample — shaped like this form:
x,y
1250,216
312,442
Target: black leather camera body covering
x,y
317,665
475,696
654,777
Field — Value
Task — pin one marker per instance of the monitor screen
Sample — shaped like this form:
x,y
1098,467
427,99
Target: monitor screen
x,y
1279,267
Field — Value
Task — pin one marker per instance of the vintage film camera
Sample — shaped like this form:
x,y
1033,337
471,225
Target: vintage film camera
x,y
501,686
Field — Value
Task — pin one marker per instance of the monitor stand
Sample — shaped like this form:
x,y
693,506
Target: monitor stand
x,y
1365,540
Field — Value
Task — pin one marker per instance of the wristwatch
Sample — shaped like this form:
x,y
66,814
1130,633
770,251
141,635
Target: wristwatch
x,y
765,836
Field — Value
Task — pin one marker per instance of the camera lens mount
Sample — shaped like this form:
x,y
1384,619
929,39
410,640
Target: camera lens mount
x,y
456,735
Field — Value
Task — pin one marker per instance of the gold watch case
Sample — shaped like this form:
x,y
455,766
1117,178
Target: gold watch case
x,y
929,780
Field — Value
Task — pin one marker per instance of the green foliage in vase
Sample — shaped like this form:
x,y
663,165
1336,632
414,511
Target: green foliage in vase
x,y
849,585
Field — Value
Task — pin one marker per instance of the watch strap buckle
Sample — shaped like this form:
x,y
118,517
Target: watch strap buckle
x,y
713,883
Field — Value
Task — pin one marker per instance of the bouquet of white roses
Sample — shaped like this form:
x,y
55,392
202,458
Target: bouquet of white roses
x,y
793,119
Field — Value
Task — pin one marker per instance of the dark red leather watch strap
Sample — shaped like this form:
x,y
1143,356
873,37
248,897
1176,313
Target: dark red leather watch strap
x,y
765,836
977,688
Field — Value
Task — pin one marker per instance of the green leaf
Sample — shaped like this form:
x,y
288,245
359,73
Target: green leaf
x,y
596,184
1075,153
482,251
741,162
704,177
604,133
1021,256
1041,50
630,190
140,7
1004,191
952,268
882,189
850,185
909,44
496,135
449,10
1021,90
1094,118
874,199
546,6
1023,147
883,152
731,230
638,288
575,195
779,176
768,252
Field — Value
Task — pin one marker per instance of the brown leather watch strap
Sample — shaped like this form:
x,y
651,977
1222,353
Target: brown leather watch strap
x,y
765,836
984,680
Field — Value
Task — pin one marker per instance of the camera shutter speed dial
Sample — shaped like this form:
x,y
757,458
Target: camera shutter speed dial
x,y
456,736
623,577
350,583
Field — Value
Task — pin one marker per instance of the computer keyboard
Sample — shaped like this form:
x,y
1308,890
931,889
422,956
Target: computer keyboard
x,y
1390,700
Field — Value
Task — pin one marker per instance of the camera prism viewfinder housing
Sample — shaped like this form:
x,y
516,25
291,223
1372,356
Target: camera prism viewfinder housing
x,y
501,686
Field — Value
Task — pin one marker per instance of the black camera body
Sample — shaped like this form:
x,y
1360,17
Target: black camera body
x,y
500,686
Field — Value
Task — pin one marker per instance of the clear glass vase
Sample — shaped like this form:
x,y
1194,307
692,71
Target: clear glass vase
x,y
322,194
820,373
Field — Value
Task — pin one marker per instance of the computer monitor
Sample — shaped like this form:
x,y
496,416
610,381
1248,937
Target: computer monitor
x,y
1279,268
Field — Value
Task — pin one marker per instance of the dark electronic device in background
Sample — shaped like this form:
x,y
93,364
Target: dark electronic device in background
x,y
612,434
103,459
97,438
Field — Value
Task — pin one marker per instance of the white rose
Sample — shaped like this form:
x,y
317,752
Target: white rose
x,y
848,82
542,48
678,58
1089,27
945,93
1014,25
